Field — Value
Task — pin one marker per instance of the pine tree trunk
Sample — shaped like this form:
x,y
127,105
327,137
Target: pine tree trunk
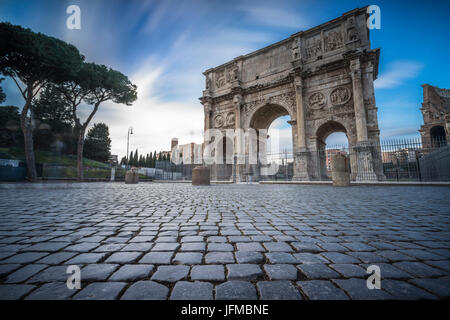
x,y
27,130
80,145
29,148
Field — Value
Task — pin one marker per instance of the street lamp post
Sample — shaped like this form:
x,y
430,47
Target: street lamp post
x,y
130,131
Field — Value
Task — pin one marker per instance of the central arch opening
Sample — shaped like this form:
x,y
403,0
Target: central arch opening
x,y
277,149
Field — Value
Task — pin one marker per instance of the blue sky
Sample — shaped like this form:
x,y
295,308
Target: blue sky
x,y
164,46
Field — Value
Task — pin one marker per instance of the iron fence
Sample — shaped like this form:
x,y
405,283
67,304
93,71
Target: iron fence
x,y
390,160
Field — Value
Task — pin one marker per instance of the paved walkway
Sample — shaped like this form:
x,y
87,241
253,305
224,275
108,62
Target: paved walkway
x,y
175,241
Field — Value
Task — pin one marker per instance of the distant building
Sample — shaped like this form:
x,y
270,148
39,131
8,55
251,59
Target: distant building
x,y
436,116
189,152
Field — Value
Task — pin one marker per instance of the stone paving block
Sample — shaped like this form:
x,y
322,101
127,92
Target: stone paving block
x,y
110,247
220,247
165,246
157,258
368,257
219,258
14,291
349,270
278,246
165,240
188,258
235,290
321,290
419,269
337,257
357,290
441,264
250,246
395,256
317,271
132,272
142,239
193,246
25,273
192,239
101,291
8,268
170,273
388,271
52,291
405,291
235,239
85,258
332,246
184,290
248,257
243,271
306,247
51,274
280,257
217,239
278,290
358,246
81,247
48,246
57,258
309,258
146,290
97,272
123,257
421,254
439,287
138,246
261,238
26,257
281,271
208,273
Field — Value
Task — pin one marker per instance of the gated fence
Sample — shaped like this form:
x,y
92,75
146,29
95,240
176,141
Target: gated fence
x,y
397,160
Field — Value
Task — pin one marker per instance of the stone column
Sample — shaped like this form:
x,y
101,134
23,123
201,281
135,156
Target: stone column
x,y
358,101
301,155
238,156
363,148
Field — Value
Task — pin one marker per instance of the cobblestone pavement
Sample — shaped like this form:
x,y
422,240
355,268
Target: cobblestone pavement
x,y
176,241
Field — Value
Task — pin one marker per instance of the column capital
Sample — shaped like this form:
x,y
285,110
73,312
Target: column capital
x,y
298,83
237,101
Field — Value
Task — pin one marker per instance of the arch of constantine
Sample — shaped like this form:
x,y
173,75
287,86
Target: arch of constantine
x,y
322,78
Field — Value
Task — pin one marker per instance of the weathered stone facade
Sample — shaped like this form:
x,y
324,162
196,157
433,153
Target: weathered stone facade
x,y
436,116
322,78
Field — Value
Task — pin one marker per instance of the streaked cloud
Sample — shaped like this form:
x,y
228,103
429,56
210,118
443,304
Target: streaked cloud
x,y
397,73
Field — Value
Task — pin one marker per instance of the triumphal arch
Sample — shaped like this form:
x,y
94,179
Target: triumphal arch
x,y
322,78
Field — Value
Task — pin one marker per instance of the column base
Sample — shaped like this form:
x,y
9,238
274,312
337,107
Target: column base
x,y
365,162
302,166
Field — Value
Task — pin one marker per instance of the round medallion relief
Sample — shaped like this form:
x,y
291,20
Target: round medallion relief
x,y
340,96
317,100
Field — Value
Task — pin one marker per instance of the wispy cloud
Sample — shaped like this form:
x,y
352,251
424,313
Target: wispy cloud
x,y
273,16
397,73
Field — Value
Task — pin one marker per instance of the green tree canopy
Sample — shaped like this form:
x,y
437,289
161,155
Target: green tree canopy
x,y
98,143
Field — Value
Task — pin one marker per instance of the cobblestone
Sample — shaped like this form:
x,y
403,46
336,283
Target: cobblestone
x,y
310,241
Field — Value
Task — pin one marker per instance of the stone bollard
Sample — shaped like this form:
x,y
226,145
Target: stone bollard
x,y
132,176
200,176
340,170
